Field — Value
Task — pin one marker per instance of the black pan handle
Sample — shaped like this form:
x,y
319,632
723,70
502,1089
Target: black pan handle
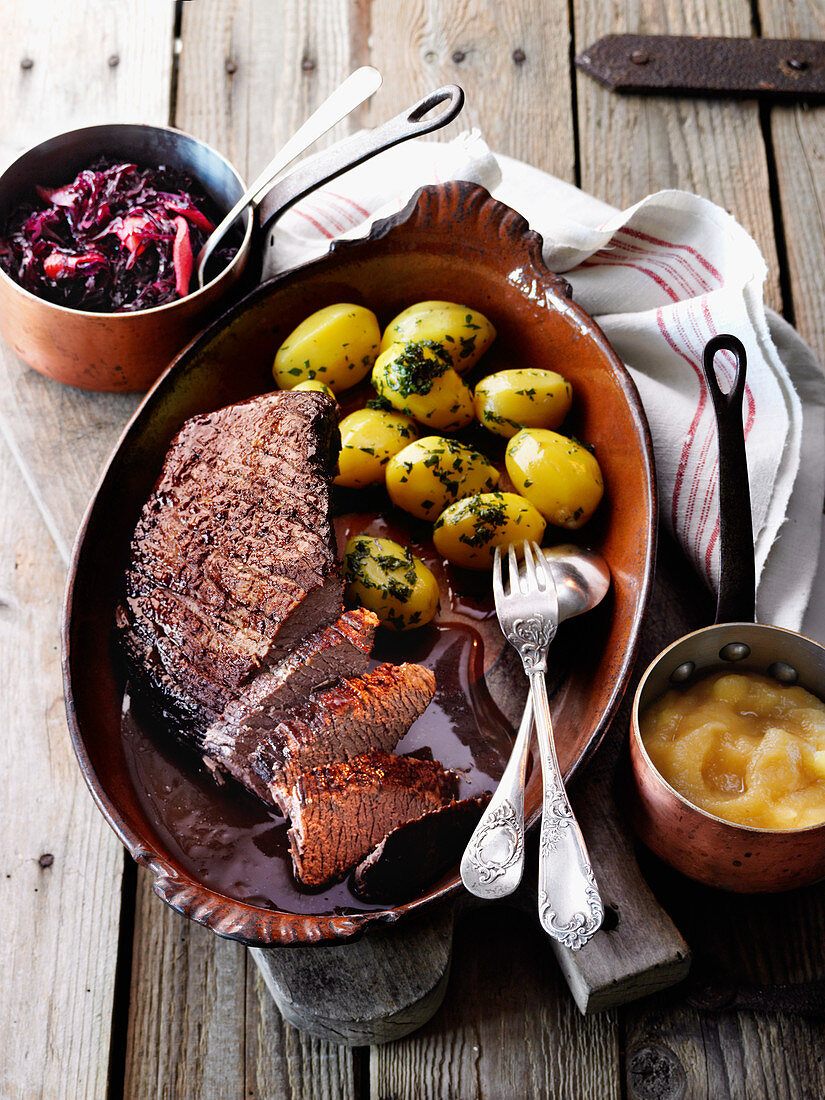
x,y
419,119
736,602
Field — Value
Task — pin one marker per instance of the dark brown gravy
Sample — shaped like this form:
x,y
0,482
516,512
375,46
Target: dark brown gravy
x,y
229,841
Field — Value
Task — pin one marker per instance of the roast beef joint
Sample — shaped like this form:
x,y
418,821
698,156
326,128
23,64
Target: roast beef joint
x,y
234,633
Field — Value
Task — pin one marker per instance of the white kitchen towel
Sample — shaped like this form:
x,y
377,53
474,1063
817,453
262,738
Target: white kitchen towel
x,y
661,278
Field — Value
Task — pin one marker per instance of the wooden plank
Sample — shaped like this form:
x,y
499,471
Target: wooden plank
x,y
511,59
631,146
60,866
799,149
285,1064
186,1010
252,71
58,76
508,1027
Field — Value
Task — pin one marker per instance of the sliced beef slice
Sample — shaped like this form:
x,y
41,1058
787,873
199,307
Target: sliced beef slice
x,y
339,812
339,650
342,722
233,558
414,855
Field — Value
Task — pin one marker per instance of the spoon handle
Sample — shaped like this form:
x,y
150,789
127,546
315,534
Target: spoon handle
x,y
493,861
570,909
358,87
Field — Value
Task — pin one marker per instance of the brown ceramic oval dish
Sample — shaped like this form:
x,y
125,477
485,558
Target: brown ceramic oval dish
x,y
452,242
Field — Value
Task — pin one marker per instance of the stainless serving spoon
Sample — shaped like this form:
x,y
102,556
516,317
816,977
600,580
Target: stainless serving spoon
x,y
357,88
493,861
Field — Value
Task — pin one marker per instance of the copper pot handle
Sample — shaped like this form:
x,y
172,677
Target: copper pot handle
x,y
737,584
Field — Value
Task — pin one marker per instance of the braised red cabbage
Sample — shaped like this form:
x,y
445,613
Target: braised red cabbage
x,y
117,238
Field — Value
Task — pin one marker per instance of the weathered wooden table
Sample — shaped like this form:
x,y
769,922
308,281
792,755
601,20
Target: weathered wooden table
x,y
105,991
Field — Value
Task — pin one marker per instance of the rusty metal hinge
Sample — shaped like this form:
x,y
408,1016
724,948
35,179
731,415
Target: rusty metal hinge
x,y
778,68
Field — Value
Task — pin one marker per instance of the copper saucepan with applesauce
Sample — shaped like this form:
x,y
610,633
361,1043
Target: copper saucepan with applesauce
x,y
709,848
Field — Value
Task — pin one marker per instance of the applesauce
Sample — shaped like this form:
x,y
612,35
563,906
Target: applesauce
x,y
743,747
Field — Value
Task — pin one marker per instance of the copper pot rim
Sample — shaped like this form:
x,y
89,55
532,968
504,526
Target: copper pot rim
x,y
636,734
153,311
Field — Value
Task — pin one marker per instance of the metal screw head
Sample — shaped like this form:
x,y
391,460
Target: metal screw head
x,y
307,65
26,63
735,651
797,64
114,61
230,66
458,56
519,56
640,57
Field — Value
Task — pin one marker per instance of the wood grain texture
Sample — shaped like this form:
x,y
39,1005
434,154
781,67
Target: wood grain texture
x,y
186,1009
631,145
60,865
375,990
65,66
799,148
511,59
508,1028
252,71
285,1064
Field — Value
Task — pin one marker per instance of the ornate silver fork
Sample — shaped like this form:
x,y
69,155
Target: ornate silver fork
x,y
570,909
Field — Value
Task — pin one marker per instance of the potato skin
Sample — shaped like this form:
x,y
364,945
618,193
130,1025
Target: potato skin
x,y
525,397
337,344
463,332
431,473
369,439
468,531
315,385
558,475
390,580
418,380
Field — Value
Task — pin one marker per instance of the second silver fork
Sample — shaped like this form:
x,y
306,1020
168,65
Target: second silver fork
x,y
570,909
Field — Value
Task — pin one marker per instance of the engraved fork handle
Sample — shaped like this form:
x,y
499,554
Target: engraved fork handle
x,y
570,909
493,861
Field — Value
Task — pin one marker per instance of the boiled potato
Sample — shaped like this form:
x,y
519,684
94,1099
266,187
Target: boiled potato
x,y
417,380
469,530
315,385
337,344
525,397
430,474
369,439
560,476
463,332
388,579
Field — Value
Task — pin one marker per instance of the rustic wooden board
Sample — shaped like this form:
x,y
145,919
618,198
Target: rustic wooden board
x,y
58,1016
508,1028
511,59
60,866
631,146
799,150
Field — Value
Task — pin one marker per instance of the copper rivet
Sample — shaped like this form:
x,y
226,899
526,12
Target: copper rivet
x,y
797,63
639,57
458,56
735,651
683,672
784,673
26,63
